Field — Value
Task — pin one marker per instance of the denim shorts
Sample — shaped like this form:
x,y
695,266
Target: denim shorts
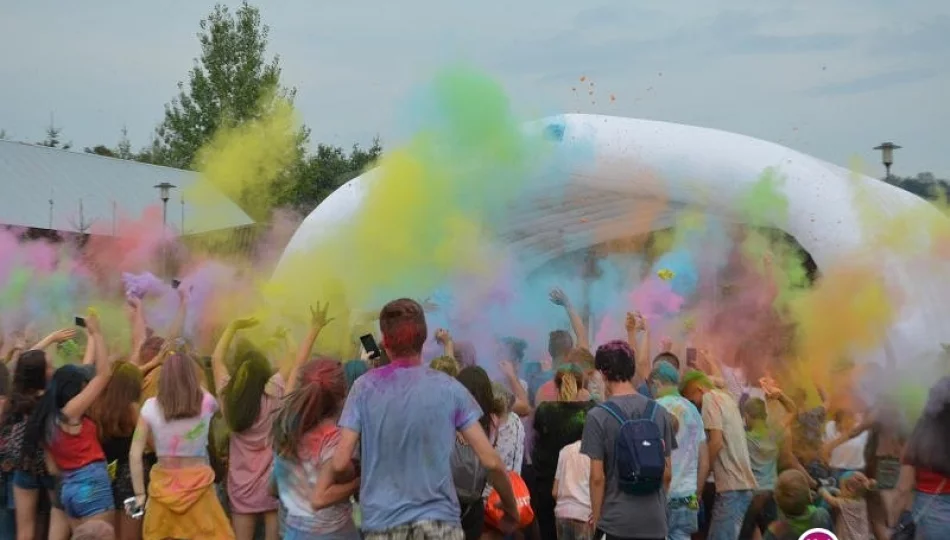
x,y
87,491
346,533
934,512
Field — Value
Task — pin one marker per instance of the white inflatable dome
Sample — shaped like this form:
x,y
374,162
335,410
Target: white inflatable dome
x,y
638,162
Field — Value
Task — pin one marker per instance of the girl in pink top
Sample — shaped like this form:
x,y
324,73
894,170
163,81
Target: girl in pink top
x,y
249,402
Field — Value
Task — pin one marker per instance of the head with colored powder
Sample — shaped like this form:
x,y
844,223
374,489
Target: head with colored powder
x,y
29,380
476,381
694,385
445,364
354,369
403,326
754,412
615,361
560,344
318,397
664,379
179,389
150,347
669,358
929,443
242,394
113,410
569,381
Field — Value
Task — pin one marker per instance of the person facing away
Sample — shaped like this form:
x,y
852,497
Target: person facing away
x,y
616,513
690,460
305,437
180,501
248,403
571,492
404,417
793,497
728,453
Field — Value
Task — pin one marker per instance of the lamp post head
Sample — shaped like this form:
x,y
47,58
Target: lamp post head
x,y
164,188
887,152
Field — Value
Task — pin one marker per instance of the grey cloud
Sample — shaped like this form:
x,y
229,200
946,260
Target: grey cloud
x,y
877,81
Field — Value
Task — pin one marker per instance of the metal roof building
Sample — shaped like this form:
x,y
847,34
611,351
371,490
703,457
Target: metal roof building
x,y
50,188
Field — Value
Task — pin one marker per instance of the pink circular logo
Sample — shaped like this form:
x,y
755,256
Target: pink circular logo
x,y
818,534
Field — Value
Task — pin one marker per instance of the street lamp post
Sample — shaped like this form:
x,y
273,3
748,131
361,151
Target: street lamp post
x,y
164,191
887,156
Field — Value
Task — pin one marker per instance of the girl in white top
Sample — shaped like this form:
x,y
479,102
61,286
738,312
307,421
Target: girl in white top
x,y
180,501
572,512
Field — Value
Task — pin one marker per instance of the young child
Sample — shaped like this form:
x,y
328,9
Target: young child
x,y
793,497
572,492
850,506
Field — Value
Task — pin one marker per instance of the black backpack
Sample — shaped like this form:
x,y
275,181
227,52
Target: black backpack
x,y
639,450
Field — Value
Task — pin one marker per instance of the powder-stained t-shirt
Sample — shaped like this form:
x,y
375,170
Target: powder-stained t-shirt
x,y
184,437
622,514
689,437
407,417
731,468
556,425
764,448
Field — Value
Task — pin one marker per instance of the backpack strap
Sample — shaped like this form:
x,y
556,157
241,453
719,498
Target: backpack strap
x,y
614,410
651,410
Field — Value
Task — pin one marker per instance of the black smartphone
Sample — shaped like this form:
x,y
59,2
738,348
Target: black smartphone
x,y
691,356
80,322
176,283
369,345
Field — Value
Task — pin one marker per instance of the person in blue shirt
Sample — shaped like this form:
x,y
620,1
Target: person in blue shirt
x,y
405,417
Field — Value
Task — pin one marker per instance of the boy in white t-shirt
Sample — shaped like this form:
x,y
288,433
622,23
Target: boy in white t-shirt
x,y
572,512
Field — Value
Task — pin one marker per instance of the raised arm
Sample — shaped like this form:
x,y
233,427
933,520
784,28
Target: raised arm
x,y
90,355
54,338
318,320
577,324
522,406
218,368
444,338
178,323
635,324
77,407
139,332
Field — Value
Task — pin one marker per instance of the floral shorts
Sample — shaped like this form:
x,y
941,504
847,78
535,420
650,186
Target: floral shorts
x,y
419,530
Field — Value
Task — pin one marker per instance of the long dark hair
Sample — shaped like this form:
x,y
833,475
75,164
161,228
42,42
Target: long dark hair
x,y
112,410
476,381
67,382
242,394
321,388
929,443
29,380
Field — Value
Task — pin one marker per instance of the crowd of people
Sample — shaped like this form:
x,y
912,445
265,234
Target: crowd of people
x,y
614,442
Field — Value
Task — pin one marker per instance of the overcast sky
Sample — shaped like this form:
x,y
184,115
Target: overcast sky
x,y
832,79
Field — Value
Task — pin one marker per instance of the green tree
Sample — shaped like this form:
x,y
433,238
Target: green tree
x,y
324,171
52,139
225,87
925,185
100,150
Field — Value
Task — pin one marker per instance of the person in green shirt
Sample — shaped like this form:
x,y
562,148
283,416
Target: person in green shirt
x,y
798,514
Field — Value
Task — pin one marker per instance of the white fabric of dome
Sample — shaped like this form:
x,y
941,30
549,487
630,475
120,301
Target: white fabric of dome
x,y
635,161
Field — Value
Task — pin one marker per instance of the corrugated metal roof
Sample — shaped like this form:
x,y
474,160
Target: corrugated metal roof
x,y
108,188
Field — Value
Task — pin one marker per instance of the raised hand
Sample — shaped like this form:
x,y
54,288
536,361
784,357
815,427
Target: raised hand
x,y
442,336
92,324
318,315
666,344
558,297
507,369
245,323
67,334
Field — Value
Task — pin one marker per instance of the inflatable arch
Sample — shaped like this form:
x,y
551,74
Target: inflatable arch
x,y
637,161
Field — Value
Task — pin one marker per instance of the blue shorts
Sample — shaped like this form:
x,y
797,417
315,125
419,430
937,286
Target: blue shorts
x,y
86,491
25,480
